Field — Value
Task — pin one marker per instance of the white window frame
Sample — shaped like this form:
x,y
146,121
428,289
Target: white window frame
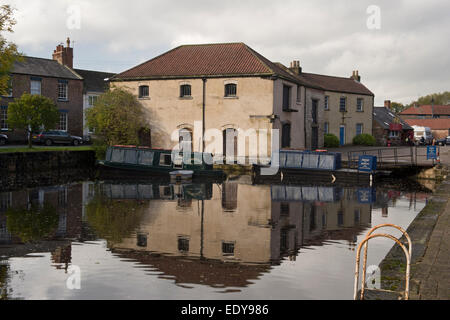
x,y
34,91
326,127
327,103
394,134
63,121
92,99
362,105
362,128
63,91
345,104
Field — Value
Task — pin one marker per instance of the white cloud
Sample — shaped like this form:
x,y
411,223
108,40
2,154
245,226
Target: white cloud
x,y
406,57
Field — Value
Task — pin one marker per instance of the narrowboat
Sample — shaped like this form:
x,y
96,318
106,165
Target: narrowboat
x,y
159,162
319,167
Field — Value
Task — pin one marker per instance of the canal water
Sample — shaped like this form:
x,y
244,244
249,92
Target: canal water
x,y
156,240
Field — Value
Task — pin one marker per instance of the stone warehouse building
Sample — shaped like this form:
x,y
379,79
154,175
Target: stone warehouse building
x,y
241,90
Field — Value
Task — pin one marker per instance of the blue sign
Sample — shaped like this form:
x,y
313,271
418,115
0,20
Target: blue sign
x,y
367,163
431,152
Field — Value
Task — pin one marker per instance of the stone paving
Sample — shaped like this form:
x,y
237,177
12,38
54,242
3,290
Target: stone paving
x,y
432,272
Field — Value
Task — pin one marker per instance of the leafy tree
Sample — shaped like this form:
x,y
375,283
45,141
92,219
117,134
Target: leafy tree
x,y
31,113
32,224
117,117
114,220
439,99
398,107
8,51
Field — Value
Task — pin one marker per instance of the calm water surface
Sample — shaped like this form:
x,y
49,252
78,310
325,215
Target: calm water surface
x,y
157,240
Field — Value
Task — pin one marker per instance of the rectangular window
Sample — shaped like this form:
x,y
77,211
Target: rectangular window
x,y
63,86
228,248
9,92
92,100
286,97
144,92
359,128
165,160
35,86
314,110
326,128
284,209
185,91
394,134
63,121
183,244
360,105
231,90
327,106
343,104
299,93
4,118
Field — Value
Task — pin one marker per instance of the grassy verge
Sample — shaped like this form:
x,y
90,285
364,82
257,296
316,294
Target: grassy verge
x,y
43,149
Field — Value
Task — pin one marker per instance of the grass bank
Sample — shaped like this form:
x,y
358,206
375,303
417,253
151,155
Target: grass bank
x,y
43,149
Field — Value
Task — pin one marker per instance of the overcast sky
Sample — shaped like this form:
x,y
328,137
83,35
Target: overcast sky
x,y
408,56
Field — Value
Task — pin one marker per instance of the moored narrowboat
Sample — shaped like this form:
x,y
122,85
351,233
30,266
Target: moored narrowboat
x,y
143,160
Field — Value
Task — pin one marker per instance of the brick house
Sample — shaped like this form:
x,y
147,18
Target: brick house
x,y
53,80
71,90
436,117
387,126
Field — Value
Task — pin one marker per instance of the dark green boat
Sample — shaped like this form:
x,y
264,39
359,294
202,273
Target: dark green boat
x,y
159,162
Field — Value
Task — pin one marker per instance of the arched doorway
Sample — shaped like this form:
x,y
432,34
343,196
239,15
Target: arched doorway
x,y
230,145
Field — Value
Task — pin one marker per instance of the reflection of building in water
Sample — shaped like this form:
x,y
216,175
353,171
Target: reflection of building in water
x,y
244,223
67,200
62,256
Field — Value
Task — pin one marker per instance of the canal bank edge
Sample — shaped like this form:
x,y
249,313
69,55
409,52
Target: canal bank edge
x,y
30,169
421,231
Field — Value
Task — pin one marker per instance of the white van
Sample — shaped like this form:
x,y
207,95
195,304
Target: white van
x,y
424,132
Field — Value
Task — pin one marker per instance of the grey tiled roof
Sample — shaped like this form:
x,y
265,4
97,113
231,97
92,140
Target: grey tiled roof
x,y
94,80
44,68
384,117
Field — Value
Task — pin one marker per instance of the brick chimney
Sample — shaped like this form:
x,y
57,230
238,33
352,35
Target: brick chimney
x,y
387,104
64,55
356,76
295,67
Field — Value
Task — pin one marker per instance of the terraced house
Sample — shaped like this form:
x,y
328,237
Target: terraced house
x,y
239,88
348,105
49,78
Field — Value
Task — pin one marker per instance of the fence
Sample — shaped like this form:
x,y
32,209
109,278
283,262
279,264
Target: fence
x,y
394,157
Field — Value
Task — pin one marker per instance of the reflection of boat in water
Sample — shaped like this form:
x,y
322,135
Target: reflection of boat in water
x,y
157,191
130,159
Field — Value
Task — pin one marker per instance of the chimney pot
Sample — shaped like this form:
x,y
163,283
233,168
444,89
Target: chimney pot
x,y
387,104
295,67
64,55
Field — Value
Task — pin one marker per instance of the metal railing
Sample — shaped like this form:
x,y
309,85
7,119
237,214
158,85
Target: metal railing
x,y
393,157
370,235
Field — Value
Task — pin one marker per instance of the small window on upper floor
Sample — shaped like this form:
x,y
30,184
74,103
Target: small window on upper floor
x,y
144,92
360,105
231,90
327,103
9,92
63,87
92,100
35,86
343,104
185,91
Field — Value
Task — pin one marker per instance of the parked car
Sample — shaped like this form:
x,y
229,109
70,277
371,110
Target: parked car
x,y
443,141
3,139
56,137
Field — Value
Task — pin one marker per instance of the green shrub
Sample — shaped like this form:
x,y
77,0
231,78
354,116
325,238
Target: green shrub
x,y
364,139
331,141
